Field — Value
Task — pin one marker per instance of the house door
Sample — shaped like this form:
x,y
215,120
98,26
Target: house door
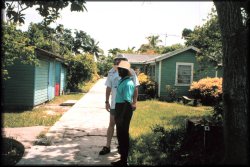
x,y
51,81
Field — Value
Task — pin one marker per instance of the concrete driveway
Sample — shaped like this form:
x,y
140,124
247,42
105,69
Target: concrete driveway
x,y
78,136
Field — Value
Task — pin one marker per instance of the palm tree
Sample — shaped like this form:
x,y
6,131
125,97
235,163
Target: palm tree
x,y
153,41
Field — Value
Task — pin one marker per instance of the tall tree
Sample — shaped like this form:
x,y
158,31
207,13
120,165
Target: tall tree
x,y
208,39
115,51
153,41
15,46
234,24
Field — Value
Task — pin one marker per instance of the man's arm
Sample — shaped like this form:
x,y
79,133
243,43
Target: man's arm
x,y
135,98
108,91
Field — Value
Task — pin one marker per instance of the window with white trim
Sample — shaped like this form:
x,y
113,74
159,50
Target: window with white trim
x,y
184,74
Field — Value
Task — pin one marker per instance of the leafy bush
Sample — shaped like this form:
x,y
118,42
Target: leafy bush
x,y
82,67
208,90
174,147
147,85
218,113
157,148
171,93
104,64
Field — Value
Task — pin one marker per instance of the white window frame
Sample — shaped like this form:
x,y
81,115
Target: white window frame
x,y
176,73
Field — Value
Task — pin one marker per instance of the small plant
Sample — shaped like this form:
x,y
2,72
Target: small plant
x,y
147,85
171,93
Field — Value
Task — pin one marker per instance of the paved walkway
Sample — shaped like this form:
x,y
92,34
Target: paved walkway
x,y
78,136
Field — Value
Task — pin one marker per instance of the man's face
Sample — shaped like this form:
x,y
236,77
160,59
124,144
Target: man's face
x,y
117,61
122,72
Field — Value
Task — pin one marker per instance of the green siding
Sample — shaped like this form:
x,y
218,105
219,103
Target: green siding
x,y
18,90
157,72
41,82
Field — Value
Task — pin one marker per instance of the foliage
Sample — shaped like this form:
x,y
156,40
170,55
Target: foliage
x,y
147,85
171,48
81,68
208,39
151,47
115,51
84,43
217,116
171,93
209,90
49,10
15,46
104,64
173,147
43,37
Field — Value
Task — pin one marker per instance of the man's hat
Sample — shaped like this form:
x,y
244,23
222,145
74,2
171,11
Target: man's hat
x,y
120,56
125,65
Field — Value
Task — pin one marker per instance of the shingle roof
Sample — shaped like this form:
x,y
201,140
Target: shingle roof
x,y
138,58
144,58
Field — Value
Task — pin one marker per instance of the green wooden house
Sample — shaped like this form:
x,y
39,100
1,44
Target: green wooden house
x,y
31,85
177,69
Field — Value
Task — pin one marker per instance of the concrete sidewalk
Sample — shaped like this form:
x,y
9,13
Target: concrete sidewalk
x,y
78,136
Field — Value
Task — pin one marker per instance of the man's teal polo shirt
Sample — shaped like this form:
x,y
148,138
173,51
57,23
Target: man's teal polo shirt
x,y
125,90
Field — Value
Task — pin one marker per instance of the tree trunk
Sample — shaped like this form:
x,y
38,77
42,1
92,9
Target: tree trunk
x,y
235,81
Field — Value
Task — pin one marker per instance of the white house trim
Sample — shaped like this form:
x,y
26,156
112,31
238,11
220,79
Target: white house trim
x,y
176,73
159,79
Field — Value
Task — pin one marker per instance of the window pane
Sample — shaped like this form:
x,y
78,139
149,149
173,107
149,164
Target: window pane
x,y
184,74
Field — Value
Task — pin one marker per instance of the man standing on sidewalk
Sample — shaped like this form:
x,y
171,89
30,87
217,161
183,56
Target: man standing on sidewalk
x,y
123,110
112,83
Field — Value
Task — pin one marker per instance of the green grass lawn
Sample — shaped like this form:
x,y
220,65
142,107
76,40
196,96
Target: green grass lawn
x,y
157,133
38,115
169,115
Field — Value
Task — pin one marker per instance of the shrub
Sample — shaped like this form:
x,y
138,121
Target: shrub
x,y
171,93
82,68
208,90
147,86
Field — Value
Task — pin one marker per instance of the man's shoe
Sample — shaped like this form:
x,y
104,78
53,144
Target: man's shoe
x,y
119,163
105,150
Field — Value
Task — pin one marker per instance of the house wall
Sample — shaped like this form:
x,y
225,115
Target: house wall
x,y
18,90
168,72
41,82
63,80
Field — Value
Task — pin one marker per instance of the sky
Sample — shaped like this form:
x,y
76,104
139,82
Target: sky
x,y
126,24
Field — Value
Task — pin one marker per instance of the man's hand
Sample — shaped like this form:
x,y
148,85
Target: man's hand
x,y
133,106
107,106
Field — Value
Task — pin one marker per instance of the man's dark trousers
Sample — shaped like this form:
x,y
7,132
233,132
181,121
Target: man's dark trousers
x,y
123,115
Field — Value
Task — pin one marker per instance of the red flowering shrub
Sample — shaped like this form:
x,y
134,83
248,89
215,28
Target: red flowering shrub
x,y
208,90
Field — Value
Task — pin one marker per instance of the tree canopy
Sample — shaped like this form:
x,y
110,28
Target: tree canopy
x,y
208,39
49,10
